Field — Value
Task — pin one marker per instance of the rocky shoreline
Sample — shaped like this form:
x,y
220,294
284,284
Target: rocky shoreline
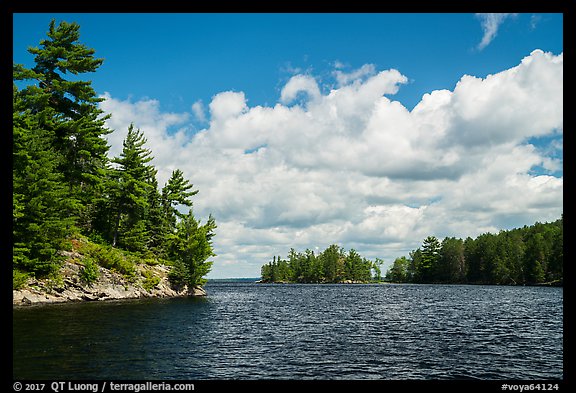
x,y
110,285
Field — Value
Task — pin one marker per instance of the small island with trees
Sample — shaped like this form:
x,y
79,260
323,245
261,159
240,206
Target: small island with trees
x,y
531,255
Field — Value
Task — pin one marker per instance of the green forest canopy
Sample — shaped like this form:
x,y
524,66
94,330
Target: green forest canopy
x,y
528,255
66,187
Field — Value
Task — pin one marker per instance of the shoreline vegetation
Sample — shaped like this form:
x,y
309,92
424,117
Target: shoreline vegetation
x,y
123,276
531,255
80,216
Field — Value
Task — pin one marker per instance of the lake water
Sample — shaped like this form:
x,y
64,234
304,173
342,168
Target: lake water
x,y
274,331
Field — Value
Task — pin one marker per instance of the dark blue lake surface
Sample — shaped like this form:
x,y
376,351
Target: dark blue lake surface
x,y
272,331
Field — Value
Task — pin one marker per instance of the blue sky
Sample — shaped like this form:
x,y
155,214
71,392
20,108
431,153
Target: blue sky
x,y
250,104
181,58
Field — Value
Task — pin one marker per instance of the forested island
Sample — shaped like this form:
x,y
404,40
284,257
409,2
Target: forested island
x,y
530,255
69,197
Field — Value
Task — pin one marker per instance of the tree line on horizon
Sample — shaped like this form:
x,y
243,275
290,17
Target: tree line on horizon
x,y
65,186
521,256
333,265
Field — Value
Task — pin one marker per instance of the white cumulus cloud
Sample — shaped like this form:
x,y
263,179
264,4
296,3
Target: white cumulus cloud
x,y
298,84
354,167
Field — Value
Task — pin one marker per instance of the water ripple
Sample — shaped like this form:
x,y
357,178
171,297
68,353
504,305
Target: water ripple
x,y
249,331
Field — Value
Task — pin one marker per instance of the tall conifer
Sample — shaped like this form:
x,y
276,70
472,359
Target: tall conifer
x,y
70,112
129,192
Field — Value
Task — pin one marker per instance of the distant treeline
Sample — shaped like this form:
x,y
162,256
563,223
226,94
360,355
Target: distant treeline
x,y
332,265
528,255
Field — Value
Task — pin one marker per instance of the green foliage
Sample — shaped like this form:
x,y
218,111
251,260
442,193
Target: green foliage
x,y
67,114
399,270
150,280
528,255
178,274
114,259
414,271
330,266
55,280
176,192
190,248
129,191
150,259
109,258
90,272
430,258
451,266
377,270
64,185
19,279
43,212
156,222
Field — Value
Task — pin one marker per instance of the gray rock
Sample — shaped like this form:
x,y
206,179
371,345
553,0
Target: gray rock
x,y
109,286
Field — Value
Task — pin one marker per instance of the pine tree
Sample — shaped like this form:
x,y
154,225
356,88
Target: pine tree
x,y
68,109
129,193
174,193
190,248
156,225
430,257
41,206
64,184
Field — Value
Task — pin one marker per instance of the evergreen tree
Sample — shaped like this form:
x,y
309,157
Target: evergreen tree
x,y
296,263
415,267
329,259
430,258
514,244
316,268
190,248
528,255
330,266
556,264
451,264
130,191
266,273
69,112
488,257
535,258
174,193
155,224
41,205
307,263
472,255
64,184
